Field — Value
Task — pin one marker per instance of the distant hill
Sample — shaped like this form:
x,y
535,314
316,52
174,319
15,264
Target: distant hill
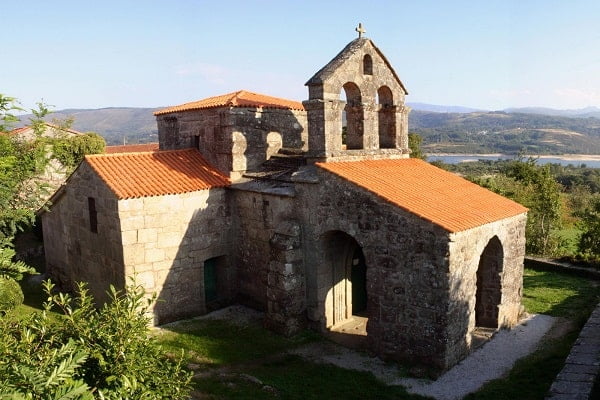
x,y
586,112
460,131
117,125
503,132
441,109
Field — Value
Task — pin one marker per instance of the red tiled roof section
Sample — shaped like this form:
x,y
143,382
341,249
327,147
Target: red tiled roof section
x,y
132,175
431,193
131,148
240,98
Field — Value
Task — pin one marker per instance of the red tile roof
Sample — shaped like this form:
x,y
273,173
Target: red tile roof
x,y
431,193
132,175
55,127
240,98
131,148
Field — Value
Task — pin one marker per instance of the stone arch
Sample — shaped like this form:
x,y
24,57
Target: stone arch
x,y
489,286
274,143
367,65
354,116
345,265
386,117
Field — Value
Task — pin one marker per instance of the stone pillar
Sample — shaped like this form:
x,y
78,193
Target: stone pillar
x,y
370,126
286,289
324,126
401,115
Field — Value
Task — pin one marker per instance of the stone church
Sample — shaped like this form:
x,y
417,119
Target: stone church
x,y
311,212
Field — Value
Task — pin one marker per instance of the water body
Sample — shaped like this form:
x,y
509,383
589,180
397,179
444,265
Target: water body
x,y
576,160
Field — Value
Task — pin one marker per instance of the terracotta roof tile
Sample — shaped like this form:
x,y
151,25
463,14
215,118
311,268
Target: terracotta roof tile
x,y
240,98
431,193
132,175
131,148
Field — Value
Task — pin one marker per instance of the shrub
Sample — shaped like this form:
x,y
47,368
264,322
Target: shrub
x,y
88,353
11,294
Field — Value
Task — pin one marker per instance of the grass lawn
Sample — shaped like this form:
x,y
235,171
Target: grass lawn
x,y
249,362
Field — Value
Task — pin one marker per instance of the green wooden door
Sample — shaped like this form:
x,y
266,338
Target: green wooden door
x,y
210,280
359,282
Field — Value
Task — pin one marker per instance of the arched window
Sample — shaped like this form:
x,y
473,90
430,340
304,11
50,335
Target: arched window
x,y
367,65
354,116
386,118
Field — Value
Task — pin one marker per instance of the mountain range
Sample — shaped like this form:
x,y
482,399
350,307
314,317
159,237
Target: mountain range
x,y
443,128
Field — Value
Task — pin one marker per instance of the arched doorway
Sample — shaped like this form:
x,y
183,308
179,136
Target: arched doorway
x,y
489,293
347,268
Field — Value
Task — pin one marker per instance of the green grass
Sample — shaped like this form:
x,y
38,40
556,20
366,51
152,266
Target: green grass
x,y
217,342
244,351
559,295
291,377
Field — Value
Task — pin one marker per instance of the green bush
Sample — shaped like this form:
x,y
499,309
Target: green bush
x,y
11,294
88,353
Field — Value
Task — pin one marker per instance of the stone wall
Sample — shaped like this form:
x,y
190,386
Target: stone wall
x,y
269,258
167,239
407,268
234,139
466,249
73,251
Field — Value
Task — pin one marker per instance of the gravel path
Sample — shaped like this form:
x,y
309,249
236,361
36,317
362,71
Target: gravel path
x,y
491,361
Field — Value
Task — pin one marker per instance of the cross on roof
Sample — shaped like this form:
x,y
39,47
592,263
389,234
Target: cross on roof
x,y
360,30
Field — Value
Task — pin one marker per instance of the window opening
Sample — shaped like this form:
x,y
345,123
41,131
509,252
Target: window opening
x,y
367,65
93,214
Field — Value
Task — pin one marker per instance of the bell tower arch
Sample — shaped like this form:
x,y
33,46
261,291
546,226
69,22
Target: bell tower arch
x,y
376,116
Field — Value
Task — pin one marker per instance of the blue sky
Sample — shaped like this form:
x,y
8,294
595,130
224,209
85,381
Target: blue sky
x,y
483,54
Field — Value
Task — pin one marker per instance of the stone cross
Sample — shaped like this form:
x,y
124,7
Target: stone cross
x,y
360,30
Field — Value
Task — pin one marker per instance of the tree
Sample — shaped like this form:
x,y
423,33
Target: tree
x,y
414,144
541,194
535,187
7,106
589,241
70,151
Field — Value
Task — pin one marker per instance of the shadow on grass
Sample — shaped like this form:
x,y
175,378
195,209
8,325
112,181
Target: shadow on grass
x,y
292,377
246,361
213,342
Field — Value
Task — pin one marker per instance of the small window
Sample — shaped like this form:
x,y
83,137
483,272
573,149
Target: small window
x,y
367,65
93,214
197,142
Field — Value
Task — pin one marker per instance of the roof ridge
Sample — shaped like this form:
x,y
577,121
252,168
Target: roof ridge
x,y
142,152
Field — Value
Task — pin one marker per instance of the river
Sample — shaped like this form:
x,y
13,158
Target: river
x,y
590,161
